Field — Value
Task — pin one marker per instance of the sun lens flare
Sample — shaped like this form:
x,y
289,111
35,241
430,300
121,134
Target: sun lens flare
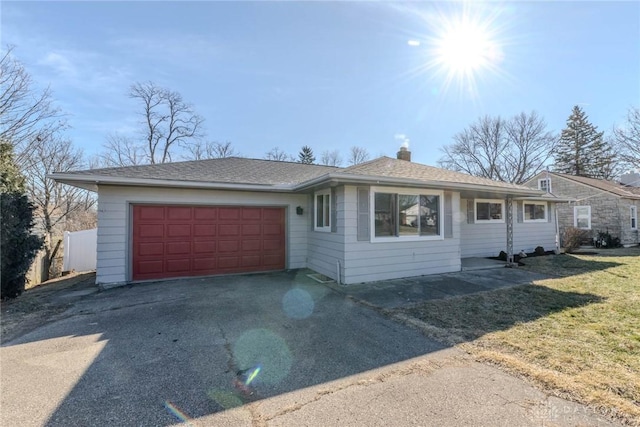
x,y
461,46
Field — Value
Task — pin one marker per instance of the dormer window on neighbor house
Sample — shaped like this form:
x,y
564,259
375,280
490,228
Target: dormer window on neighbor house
x,y
544,184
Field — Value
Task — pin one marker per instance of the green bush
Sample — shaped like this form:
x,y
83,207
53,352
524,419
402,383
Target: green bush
x,y
18,246
606,240
539,250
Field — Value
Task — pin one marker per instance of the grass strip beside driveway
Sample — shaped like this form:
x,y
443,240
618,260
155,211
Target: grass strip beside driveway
x,y
576,335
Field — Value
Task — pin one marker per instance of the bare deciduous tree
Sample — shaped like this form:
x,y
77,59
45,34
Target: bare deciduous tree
x,y
26,115
277,154
358,155
121,150
54,201
199,150
627,138
511,150
331,158
168,121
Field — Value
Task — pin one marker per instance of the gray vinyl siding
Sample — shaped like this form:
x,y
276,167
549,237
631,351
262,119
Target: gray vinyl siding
x,y
325,250
366,261
113,254
488,239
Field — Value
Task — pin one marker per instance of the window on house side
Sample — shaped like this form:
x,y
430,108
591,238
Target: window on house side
x,y
489,210
544,184
323,211
582,217
634,218
535,212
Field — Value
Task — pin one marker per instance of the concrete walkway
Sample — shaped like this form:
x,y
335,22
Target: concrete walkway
x,y
401,293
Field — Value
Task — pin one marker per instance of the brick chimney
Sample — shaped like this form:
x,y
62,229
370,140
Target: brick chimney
x,y
404,154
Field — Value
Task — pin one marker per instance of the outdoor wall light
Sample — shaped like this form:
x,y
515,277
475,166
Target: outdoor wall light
x,y
299,210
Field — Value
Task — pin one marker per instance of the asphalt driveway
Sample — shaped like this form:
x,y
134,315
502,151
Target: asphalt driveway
x,y
269,349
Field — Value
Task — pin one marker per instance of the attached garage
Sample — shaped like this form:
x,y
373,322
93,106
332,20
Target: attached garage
x,y
178,240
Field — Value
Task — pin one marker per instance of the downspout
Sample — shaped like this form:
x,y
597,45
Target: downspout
x,y
338,281
555,214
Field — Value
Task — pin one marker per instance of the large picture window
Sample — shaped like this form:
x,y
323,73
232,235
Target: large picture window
x,y
534,212
401,215
489,210
582,217
322,211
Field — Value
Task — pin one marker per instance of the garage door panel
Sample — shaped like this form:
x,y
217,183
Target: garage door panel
x,y
179,230
180,265
206,247
251,261
175,213
272,229
151,230
226,262
251,245
204,230
152,248
272,244
229,213
273,259
204,264
205,213
251,230
150,213
178,248
177,241
229,230
228,246
273,214
251,214
150,267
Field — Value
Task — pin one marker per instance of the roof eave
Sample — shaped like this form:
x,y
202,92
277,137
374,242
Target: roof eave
x,y
91,182
380,180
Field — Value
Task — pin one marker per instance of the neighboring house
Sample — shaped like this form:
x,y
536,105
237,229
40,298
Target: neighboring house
x,y
599,206
383,219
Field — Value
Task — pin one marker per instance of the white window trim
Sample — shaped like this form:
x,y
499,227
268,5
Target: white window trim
x,y
327,227
410,192
546,210
548,190
575,217
634,215
487,221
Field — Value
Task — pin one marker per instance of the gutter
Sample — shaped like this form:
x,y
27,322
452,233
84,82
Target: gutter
x,y
95,180
368,179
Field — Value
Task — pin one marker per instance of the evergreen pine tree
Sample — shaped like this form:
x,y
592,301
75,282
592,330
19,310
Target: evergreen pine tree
x,y
306,155
582,150
18,246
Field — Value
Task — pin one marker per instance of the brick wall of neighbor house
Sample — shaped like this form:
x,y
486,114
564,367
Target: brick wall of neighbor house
x,y
629,237
113,257
609,213
367,261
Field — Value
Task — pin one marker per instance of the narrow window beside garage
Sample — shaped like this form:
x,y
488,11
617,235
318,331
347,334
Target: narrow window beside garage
x,y
323,211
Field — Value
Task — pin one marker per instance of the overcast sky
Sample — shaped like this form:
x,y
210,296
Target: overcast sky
x,y
331,74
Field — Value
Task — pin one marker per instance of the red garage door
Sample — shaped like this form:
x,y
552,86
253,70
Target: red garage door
x,y
173,241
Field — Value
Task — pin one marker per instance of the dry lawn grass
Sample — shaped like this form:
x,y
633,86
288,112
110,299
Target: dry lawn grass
x,y
577,335
38,305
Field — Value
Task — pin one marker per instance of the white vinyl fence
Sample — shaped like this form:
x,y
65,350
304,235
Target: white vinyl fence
x,y
80,248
